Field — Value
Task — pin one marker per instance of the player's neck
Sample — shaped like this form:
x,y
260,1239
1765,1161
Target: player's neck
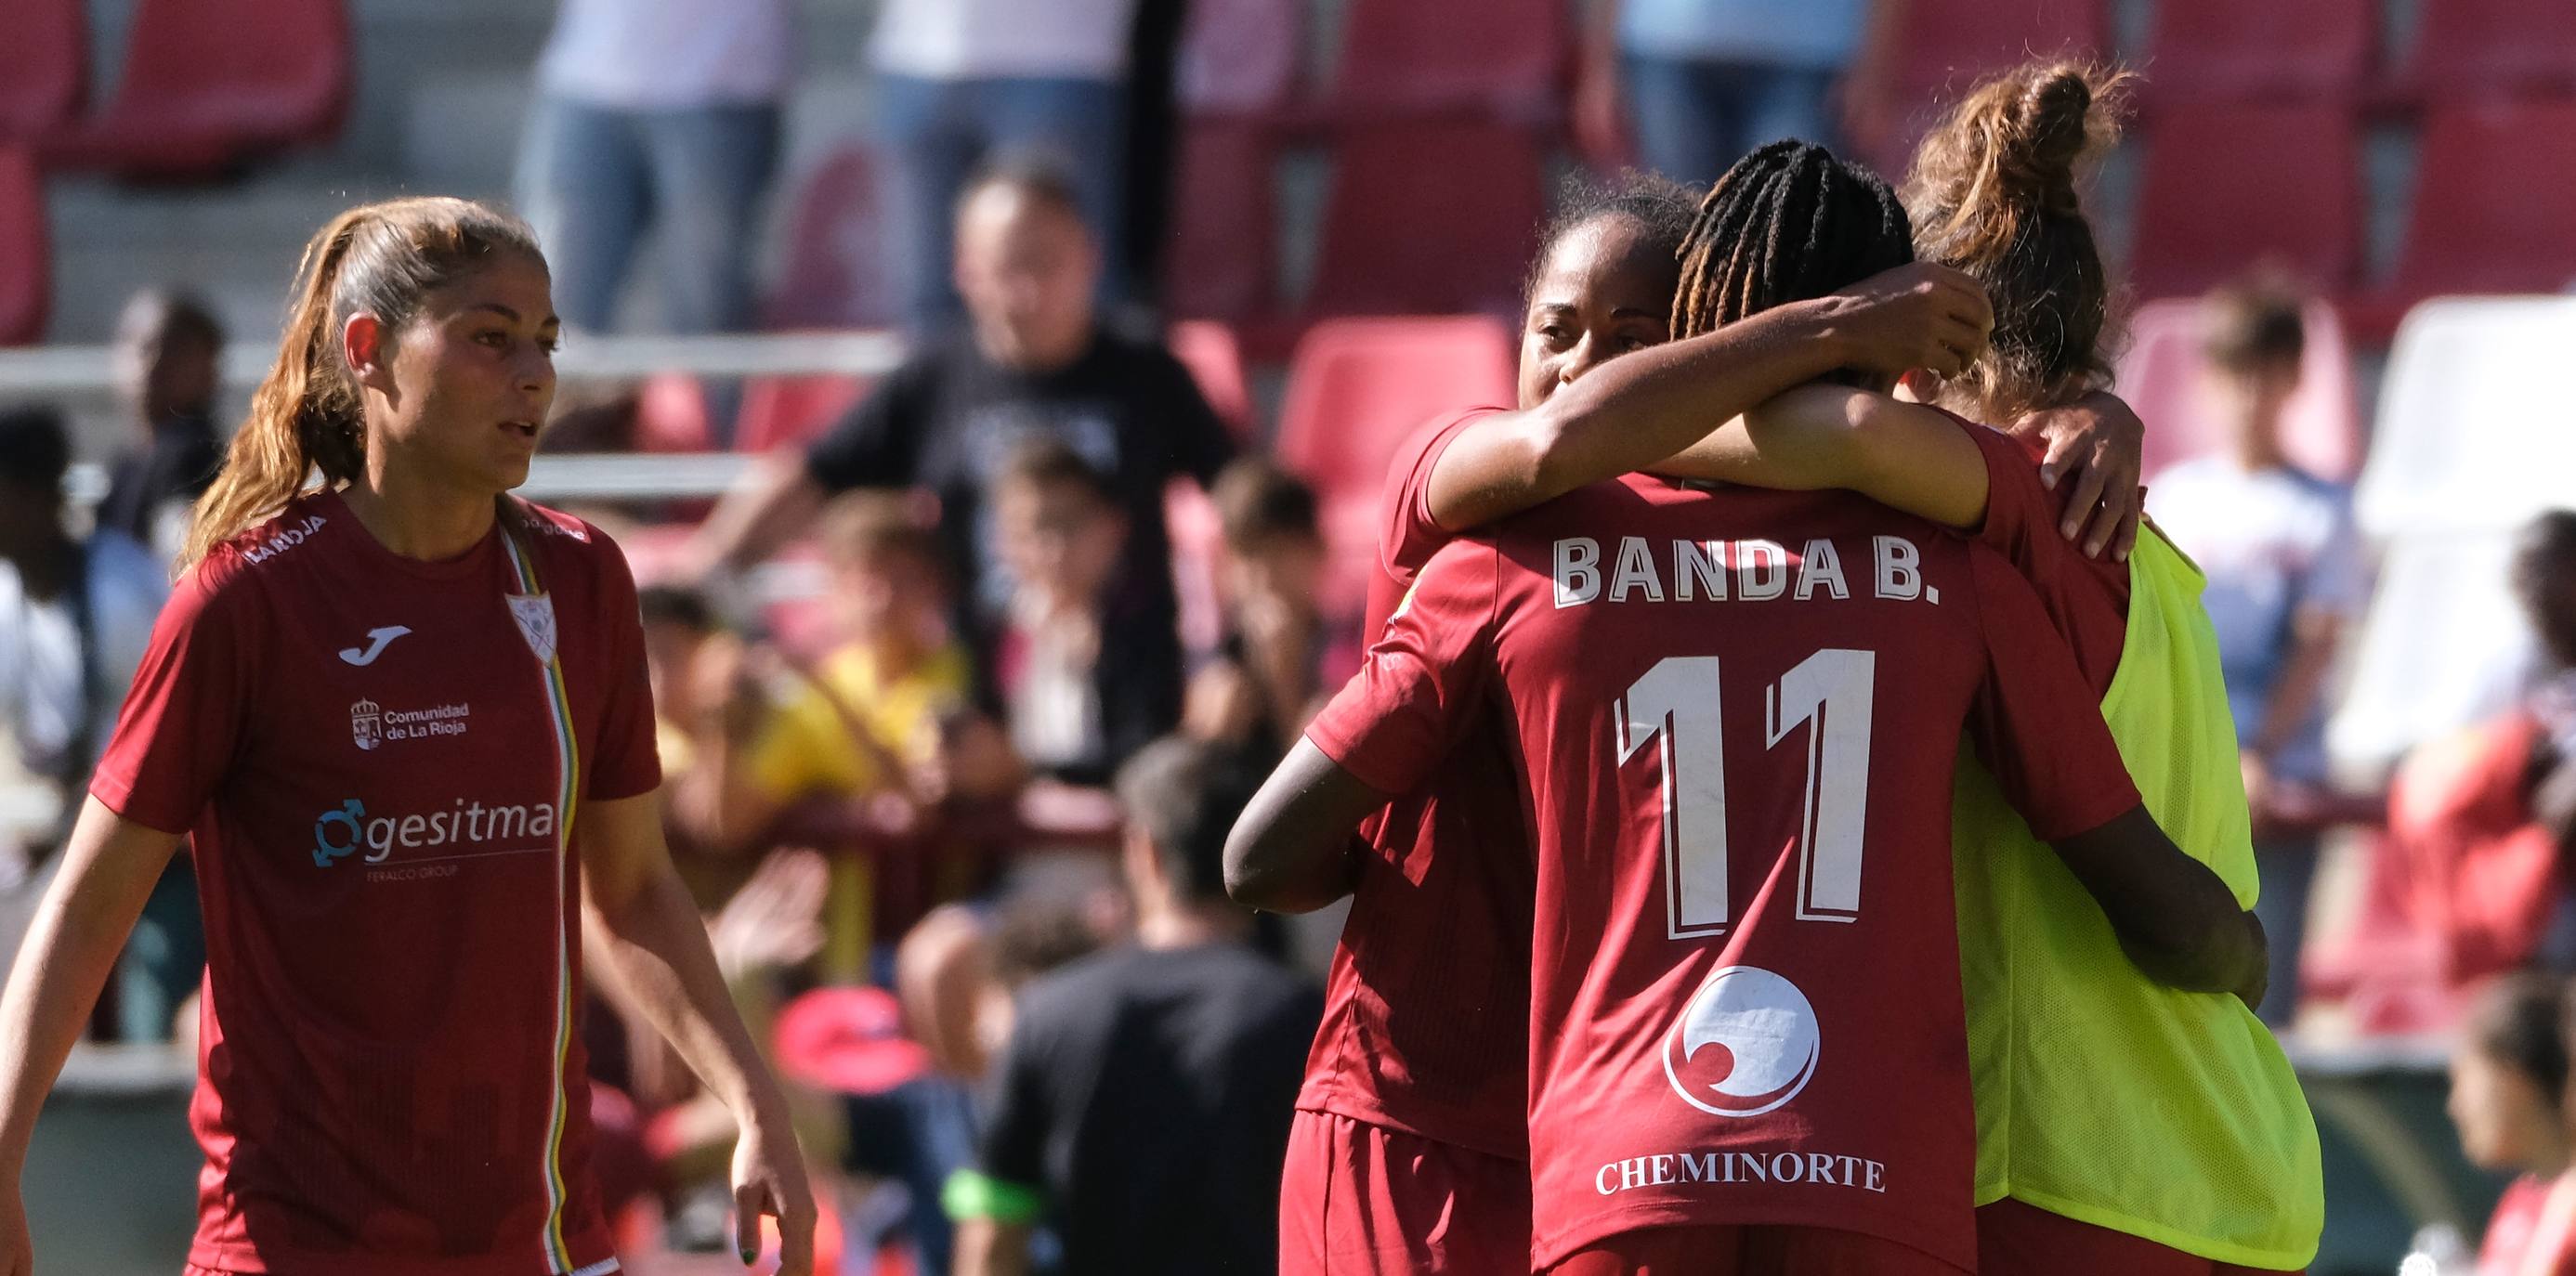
x,y
418,519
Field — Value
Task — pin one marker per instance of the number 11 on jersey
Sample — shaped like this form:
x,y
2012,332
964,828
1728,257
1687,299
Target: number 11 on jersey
x,y
1677,702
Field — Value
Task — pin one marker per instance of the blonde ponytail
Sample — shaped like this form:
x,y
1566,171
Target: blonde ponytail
x,y
307,418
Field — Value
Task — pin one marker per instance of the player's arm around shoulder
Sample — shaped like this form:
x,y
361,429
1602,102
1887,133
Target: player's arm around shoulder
x,y
2175,917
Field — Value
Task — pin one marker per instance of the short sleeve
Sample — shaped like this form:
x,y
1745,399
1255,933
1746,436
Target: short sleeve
x,y
187,714
2085,599
623,761
1407,536
2036,723
1421,684
1014,1142
879,443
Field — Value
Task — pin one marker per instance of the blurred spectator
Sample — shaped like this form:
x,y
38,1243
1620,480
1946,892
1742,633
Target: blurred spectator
x,y
2508,1098
2484,819
961,82
75,618
168,368
656,116
1279,653
1085,665
1038,364
2285,576
1153,144
1705,81
1141,1106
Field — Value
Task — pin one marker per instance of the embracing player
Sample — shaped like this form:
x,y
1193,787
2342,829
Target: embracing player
x,y
1746,1043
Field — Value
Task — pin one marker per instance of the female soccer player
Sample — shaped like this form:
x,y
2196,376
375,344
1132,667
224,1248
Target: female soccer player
x,y
2100,1147
403,716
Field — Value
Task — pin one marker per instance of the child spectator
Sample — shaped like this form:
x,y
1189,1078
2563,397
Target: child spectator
x,y
1087,667
1280,654
1141,1104
2508,1083
2285,575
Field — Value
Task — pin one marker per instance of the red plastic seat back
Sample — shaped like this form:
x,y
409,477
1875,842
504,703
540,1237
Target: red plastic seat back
x,y
26,260
44,66
2164,376
2494,201
1429,217
1356,389
1400,56
792,411
257,73
1223,245
835,274
1941,48
1240,57
2231,50
671,415
2227,187
2483,48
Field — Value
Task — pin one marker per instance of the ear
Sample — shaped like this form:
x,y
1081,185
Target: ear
x,y
369,354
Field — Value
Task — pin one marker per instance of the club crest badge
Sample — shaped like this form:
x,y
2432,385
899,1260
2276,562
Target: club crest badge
x,y
536,616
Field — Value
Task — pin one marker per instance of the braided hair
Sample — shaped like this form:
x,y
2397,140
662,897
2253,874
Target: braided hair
x,y
1789,222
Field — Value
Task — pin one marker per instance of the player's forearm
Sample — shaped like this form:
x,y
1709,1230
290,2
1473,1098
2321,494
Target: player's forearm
x,y
1630,413
1902,455
80,927
2174,916
658,945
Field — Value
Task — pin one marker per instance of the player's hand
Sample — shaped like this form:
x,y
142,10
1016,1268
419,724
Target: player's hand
x,y
17,1251
2096,442
769,1179
1915,316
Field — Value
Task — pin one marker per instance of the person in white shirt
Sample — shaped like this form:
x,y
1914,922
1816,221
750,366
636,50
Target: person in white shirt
x,y
662,117
2286,577
962,83
75,618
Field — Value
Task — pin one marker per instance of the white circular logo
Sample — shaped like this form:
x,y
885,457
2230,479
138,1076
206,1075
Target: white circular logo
x,y
1746,1045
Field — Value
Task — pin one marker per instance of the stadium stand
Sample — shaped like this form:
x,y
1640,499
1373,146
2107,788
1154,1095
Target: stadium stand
x,y
26,266
1240,57
2226,51
44,67
835,275
790,411
672,415
2160,375
2493,196
1356,388
2490,48
2227,188
1215,361
1506,57
210,83
1935,49
1223,253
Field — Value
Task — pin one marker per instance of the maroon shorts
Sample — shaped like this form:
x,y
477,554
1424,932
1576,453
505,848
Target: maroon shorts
x,y
2019,1239
1362,1200
1749,1251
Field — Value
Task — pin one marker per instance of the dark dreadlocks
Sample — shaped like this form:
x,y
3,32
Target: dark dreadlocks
x,y
1789,222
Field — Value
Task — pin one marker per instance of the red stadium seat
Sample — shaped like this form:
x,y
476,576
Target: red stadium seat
x,y
2494,196
1240,57
671,415
1215,361
2162,376
1408,57
792,411
2491,48
208,83
2229,50
1224,246
44,67
835,275
26,254
1939,48
1429,217
1356,388
2226,187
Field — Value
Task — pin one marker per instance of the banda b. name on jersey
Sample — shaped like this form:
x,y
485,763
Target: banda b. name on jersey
x,y
1643,570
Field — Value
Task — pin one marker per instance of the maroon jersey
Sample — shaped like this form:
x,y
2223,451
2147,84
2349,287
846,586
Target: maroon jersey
x,y
1736,716
1426,1009
2086,598
378,760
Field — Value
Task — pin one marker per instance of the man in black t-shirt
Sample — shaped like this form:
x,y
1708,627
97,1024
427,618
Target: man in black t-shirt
x,y
1141,1109
1037,364
168,360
